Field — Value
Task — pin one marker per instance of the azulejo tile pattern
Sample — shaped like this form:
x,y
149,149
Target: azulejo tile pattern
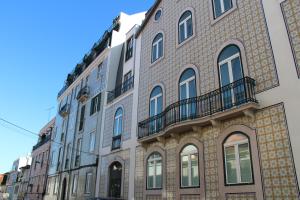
x,y
190,197
278,173
291,13
249,196
246,24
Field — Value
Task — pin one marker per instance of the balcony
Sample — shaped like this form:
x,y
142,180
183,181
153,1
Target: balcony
x,y
121,89
235,99
64,110
83,94
43,141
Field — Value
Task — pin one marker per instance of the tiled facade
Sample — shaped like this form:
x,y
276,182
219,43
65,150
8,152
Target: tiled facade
x,y
126,105
245,26
291,12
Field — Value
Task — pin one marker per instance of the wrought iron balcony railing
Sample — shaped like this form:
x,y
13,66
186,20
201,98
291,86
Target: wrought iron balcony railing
x,y
121,89
233,95
64,110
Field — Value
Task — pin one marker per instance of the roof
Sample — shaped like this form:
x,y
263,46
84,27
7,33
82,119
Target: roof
x,y
148,16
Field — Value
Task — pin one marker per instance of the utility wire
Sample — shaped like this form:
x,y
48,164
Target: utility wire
x,y
36,134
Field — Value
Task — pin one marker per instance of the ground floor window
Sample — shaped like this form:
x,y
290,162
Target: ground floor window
x,y
154,171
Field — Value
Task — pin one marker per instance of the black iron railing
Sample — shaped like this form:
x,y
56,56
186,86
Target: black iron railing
x,y
116,142
42,142
235,94
121,89
83,93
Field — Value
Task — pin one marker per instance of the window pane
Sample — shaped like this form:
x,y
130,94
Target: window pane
x,y
158,174
159,104
181,33
230,165
183,94
152,108
217,7
160,49
116,127
227,4
236,69
246,172
184,171
154,50
150,177
192,89
189,27
120,125
195,170
225,80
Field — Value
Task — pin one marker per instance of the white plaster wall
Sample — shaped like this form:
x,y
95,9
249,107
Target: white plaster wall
x,y
289,89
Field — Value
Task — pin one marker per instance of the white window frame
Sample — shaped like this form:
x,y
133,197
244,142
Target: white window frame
x,y
156,46
189,154
92,141
228,61
222,7
187,84
154,160
75,184
184,22
88,182
237,160
118,119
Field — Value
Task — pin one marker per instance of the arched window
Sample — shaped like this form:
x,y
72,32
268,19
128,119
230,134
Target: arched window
x,y
221,6
190,167
157,47
237,158
231,70
154,171
118,129
185,26
187,90
156,106
115,180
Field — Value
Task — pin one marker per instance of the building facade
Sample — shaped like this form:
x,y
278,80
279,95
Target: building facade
x,y
13,183
76,142
118,137
40,163
23,182
217,107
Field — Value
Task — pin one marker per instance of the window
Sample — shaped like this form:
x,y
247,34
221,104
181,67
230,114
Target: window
x,y
115,180
92,141
185,26
99,70
88,181
75,181
156,106
157,47
187,91
48,185
231,70
237,159
154,171
51,158
81,121
95,104
78,152
157,15
67,155
129,48
128,81
221,6
42,161
189,167
55,185
58,159
118,126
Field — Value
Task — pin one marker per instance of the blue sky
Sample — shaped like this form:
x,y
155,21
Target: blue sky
x,y
40,42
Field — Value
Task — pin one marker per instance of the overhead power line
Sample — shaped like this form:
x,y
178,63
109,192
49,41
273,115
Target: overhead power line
x,y
36,134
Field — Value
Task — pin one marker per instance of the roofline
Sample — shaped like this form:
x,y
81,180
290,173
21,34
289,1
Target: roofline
x,y
148,16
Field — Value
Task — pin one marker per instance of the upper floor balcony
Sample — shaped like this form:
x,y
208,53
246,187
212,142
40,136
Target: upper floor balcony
x,y
120,89
43,141
235,99
83,94
64,110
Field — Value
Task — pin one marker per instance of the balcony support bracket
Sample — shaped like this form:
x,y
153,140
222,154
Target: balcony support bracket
x,y
162,140
215,123
144,146
176,137
249,113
